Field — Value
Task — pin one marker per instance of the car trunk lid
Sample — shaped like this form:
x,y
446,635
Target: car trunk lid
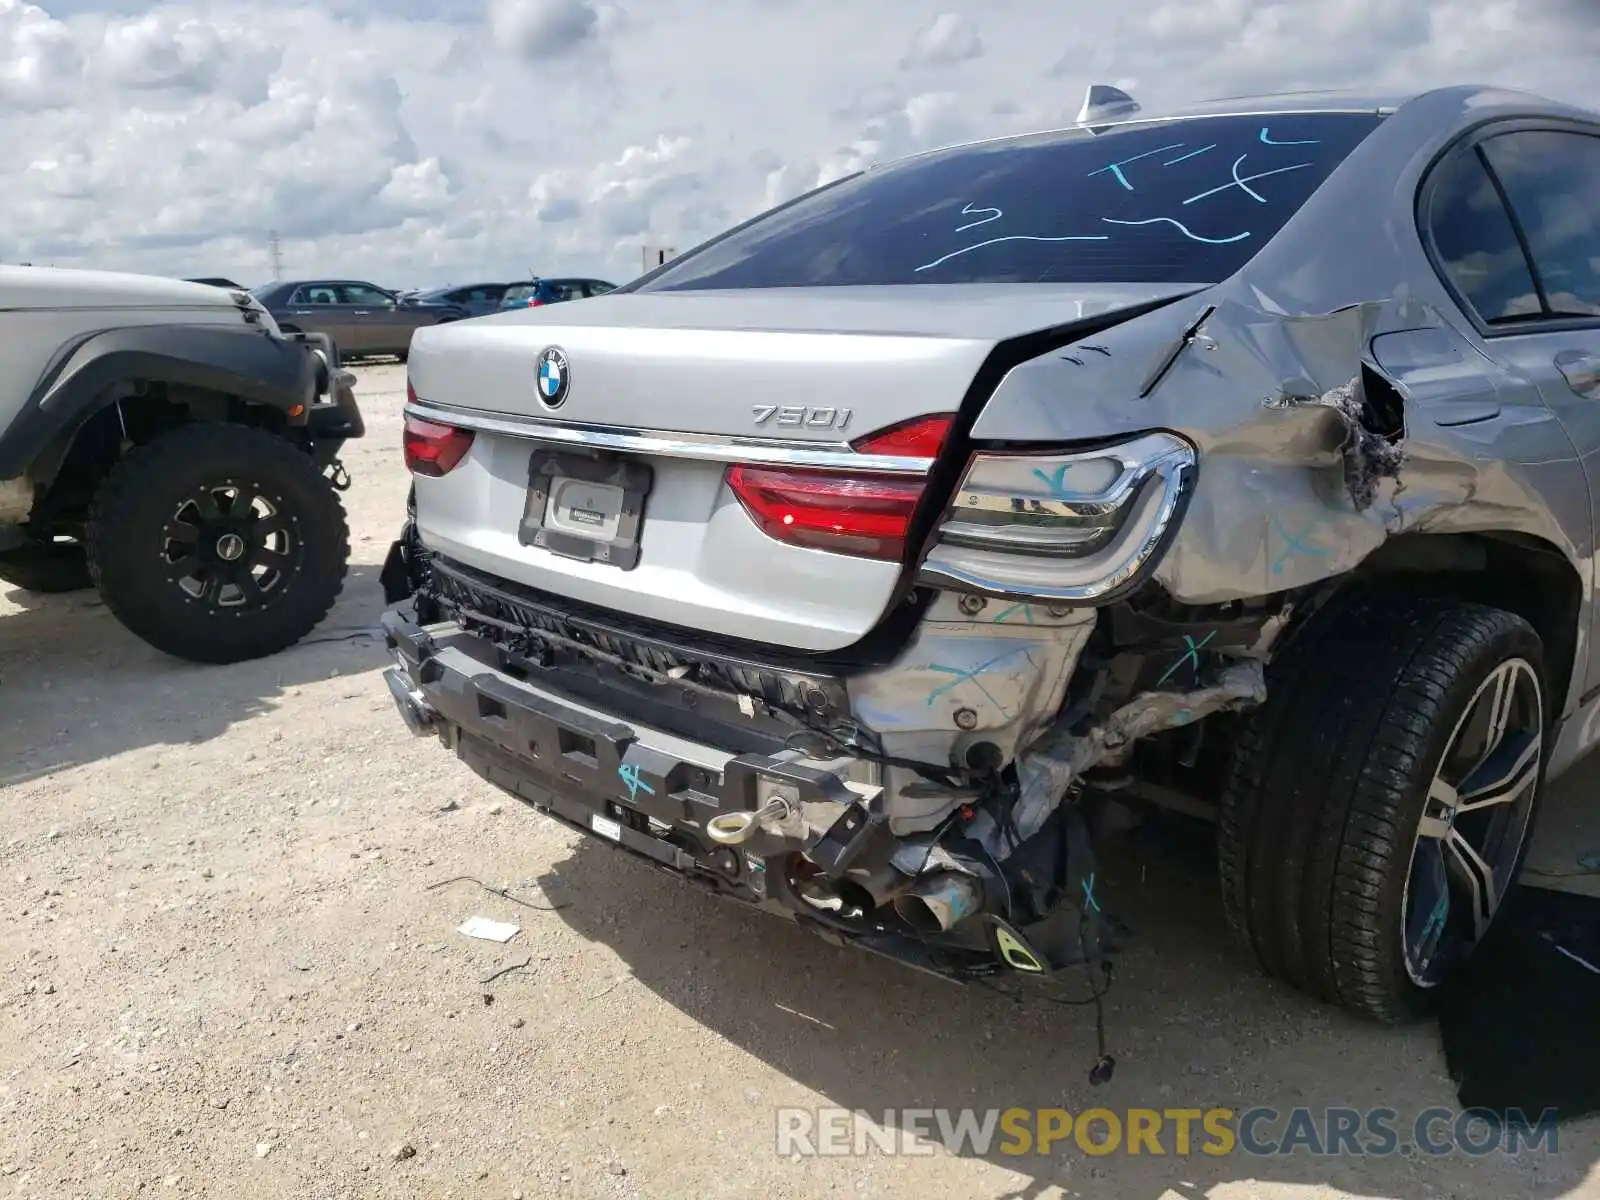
x,y
688,386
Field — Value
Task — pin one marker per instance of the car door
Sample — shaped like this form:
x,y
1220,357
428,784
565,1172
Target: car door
x,y
382,326
478,301
1550,178
315,308
1522,252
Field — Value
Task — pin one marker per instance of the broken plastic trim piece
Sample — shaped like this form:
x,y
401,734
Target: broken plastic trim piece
x,y
1113,505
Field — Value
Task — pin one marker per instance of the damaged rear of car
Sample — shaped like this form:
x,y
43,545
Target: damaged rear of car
x,y
846,562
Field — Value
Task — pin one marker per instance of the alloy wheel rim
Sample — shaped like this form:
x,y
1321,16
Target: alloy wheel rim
x,y
1474,821
230,546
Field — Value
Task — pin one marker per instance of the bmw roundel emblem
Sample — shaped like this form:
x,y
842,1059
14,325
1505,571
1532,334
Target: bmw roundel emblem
x,y
554,376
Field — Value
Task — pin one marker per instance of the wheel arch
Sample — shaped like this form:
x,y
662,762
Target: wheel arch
x,y
1519,573
127,386
204,370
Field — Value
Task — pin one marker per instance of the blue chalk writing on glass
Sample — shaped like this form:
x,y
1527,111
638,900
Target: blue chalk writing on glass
x,y
968,211
1243,184
629,774
1266,140
1116,167
1190,655
1172,162
1187,232
1016,237
970,675
1295,543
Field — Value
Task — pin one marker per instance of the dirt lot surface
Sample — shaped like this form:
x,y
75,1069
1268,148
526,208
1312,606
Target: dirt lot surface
x,y
224,972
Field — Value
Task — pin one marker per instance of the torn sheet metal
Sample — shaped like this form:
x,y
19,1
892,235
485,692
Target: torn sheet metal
x,y
1051,765
993,672
1296,485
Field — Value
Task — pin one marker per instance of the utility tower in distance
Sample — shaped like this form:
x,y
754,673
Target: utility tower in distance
x,y
275,249
656,256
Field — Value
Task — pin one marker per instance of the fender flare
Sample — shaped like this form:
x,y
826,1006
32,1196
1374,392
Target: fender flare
x,y
239,361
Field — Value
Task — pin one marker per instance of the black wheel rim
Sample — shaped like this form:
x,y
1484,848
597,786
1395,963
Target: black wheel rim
x,y
1473,824
231,546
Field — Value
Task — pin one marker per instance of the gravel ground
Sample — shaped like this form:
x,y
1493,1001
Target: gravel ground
x,y
225,970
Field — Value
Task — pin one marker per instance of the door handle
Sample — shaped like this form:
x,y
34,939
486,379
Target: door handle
x,y
361,312
301,312
1581,371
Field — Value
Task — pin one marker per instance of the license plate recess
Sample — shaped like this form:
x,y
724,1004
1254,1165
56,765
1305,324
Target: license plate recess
x,y
587,506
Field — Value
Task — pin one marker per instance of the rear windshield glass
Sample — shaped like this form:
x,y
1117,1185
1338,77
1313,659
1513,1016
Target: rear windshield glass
x,y
1178,201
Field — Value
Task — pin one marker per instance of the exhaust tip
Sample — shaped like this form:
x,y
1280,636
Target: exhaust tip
x,y
415,711
940,902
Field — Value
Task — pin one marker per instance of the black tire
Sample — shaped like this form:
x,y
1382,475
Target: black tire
x,y
1323,805
135,559
46,567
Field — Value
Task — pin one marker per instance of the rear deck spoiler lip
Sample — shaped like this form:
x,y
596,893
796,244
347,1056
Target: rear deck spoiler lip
x,y
671,444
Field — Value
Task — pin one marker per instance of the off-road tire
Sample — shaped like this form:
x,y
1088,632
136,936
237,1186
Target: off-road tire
x,y
46,567
1328,781
146,487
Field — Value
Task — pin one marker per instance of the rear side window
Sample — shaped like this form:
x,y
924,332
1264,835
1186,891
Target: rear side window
x,y
1552,182
1476,243
1186,201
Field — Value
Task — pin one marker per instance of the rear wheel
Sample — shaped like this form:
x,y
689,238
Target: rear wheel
x,y
218,543
1380,801
46,567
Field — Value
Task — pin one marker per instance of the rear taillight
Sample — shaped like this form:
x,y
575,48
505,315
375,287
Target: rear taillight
x,y
1068,526
535,302
432,449
863,513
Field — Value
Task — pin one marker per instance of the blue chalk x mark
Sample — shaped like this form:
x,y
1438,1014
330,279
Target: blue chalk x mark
x,y
1088,893
1057,483
1243,182
1172,162
1191,655
968,211
1295,543
629,774
1187,232
1116,167
970,675
1025,609
1266,140
1016,237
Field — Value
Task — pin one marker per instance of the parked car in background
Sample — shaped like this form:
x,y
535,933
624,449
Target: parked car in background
x,y
218,281
476,299
539,292
362,318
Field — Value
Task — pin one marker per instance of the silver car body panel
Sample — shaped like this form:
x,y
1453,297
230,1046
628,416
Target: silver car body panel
x,y
680,381
1262,373
1253,370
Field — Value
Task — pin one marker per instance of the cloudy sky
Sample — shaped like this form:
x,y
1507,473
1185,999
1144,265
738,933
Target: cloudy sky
x,y
421,141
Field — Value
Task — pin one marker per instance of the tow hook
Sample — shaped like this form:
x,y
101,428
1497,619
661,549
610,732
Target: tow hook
x,y
732,829
415,711
340,478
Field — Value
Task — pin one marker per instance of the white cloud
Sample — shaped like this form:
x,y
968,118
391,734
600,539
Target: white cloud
x,y
945,41
415,141
543,29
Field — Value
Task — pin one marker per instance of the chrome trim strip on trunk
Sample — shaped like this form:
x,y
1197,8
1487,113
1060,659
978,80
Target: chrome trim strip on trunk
x,y
666,444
